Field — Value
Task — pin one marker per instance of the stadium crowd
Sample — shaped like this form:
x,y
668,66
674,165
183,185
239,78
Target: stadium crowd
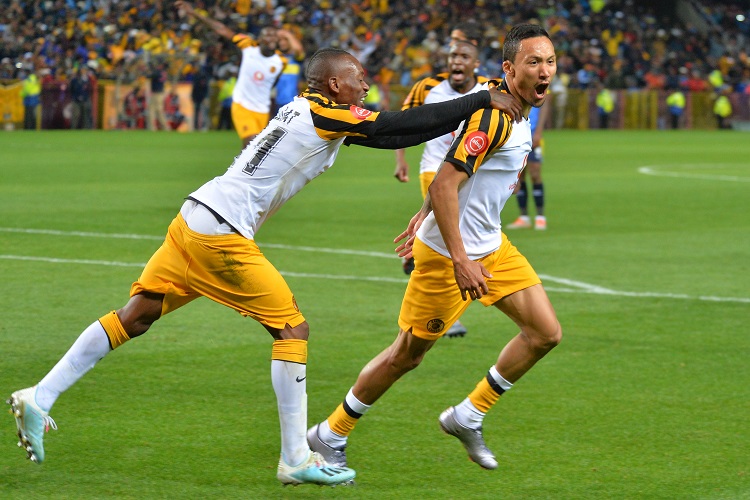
x,y
621,44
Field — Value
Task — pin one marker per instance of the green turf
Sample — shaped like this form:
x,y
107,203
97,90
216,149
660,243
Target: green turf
x,y
647,396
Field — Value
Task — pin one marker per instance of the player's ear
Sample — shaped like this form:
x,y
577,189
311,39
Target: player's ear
x,y
508,68
333,84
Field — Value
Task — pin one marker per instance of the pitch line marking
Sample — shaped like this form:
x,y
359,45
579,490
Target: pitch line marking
x,y
668,171
87,234
578,287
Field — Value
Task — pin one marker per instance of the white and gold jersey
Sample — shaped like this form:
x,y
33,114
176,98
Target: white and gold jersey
x,y
493,151
302,141
429,90
257,77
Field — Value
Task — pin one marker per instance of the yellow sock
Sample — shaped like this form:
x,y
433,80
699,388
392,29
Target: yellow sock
x,y
484,396
115,331
341,422
293,350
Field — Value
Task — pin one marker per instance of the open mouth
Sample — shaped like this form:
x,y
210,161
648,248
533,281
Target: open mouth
x,y
541,90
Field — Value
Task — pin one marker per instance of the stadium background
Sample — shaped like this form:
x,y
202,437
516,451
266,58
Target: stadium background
x,y
641,50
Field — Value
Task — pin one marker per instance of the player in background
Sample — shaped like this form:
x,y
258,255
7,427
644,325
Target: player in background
x,y
461,253
538,118
260,68
289,81
459,80
210,248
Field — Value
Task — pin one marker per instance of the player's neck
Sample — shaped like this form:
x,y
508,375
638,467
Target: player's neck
x,y
466,86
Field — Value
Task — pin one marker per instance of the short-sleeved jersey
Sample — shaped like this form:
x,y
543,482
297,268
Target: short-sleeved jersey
x,y
299,143
492,150
436,89
258,74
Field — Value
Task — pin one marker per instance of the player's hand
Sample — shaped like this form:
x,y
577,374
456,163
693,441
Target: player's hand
x,y
506,103
402,172
404,250
470,278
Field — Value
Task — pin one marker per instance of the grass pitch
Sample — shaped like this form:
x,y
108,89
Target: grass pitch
x,y
645,260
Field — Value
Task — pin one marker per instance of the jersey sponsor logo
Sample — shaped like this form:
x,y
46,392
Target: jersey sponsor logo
x,y
258,76
435,325
513,186
359,113
476,143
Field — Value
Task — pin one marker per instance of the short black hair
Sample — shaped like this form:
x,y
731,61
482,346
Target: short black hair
x,y
516,34
471,30
320,65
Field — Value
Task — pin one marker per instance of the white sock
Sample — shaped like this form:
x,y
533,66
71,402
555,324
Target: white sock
x,y
290,384
91,346
332,438
499,379
468,415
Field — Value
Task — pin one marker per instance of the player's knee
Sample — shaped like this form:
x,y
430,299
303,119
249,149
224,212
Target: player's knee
x,y
545,339
300,332
140,313
552,336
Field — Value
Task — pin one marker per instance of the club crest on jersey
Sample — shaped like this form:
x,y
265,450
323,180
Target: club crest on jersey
x,y
435,325
359,113
476,143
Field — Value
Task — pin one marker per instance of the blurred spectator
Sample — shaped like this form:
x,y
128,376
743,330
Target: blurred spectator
x,y
134,108
625,44
81,90
172,112
199,95
156,98
30,92
676,104
225,99
605,104
289,82
559,90
723,109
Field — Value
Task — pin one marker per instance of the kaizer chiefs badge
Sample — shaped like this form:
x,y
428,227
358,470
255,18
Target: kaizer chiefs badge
x,y
435,325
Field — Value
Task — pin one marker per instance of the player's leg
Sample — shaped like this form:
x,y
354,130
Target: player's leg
x,y
153,295
297,464
330,436
220,269
31,406
537,189
432,302
516,290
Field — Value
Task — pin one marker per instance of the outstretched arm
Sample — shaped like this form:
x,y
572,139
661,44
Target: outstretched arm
x,y
438,115
215,25
403,129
